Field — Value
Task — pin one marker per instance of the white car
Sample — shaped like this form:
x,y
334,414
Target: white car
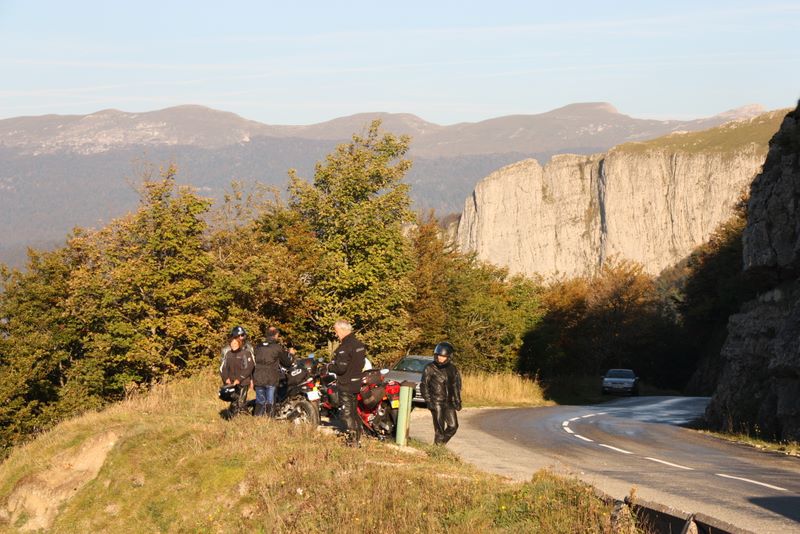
x,y
620,381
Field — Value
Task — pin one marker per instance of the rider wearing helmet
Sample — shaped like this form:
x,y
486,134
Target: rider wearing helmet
x,y
441,389
237,367
237,332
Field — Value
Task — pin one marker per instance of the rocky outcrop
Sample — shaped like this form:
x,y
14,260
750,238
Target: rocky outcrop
x,y
650,202
759,390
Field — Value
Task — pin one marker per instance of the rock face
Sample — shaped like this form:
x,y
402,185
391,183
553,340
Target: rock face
x,y
759,390
651,202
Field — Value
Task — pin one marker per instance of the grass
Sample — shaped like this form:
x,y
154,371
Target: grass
x,y
790,448
501,389
726,138
177,466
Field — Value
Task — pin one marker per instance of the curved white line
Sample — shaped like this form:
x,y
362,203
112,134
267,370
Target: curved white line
x,y
565,423
583,438
623,451
669,463
752,482
574,419
568,430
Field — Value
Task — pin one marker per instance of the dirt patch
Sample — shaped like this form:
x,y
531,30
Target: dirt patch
x,y
35,501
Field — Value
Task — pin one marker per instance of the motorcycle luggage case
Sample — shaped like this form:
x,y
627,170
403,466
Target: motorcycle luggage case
x,y
372,396
297,374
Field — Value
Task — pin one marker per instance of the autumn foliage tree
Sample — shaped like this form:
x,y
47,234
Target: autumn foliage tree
x,y
356,207
114,309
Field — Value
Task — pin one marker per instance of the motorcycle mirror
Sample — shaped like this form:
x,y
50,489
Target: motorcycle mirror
x,y
384,371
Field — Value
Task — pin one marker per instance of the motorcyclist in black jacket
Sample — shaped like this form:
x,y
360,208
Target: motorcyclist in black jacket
x,y
269,356
441,389
348,361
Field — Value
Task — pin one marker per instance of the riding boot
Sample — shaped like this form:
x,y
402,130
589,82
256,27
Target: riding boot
x,y
268,410
259,410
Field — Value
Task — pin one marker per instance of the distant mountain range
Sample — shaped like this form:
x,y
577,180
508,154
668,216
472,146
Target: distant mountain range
x,y
61,171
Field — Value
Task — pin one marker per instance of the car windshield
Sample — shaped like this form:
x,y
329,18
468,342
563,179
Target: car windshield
x,y
414,365
620,373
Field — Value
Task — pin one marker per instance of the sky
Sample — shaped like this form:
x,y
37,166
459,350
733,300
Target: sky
x,y
446,62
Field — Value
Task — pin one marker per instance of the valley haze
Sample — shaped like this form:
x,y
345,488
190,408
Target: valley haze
x,y
62,171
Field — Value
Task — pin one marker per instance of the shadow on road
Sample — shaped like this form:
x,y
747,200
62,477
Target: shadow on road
x,y
785,506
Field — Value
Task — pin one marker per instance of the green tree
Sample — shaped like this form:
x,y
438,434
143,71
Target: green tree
x,y
356,208
265,257
39,343
434,261
143,295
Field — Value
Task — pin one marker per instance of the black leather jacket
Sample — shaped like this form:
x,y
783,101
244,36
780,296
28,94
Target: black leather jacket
x,y
441,384
237,365
269,356
348,363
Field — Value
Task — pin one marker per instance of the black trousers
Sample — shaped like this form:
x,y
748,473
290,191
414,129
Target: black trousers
x,y
445,422
350,416
240,404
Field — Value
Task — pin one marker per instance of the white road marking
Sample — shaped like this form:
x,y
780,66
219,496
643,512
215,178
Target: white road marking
x,y
583,438
565,423
623,451
590,415
752,482
669,463
568,430
574,419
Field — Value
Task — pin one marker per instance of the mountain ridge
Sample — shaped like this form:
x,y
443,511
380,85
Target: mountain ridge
x,y
58,172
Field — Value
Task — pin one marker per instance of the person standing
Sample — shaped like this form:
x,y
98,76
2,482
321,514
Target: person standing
x,y
441,389
237,369
347,363
269,357
241,334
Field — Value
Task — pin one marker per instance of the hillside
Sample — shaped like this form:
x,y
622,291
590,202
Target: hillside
x,y
167,462
58,172
652,202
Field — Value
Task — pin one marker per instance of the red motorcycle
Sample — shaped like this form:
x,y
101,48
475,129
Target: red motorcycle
x,y
377,403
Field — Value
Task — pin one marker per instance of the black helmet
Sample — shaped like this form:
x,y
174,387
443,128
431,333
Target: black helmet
x,y
237,331
229,393
444,349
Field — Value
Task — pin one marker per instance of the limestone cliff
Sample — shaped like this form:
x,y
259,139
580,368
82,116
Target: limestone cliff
x,y
650,202
759,389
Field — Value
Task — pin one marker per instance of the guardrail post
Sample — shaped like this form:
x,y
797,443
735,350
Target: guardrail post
x,y
404,412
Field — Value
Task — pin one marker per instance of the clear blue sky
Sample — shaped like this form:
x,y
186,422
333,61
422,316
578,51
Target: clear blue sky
x,y
303,62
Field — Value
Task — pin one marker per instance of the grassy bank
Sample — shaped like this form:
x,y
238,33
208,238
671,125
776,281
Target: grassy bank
x,y
167,462
502,389
790,448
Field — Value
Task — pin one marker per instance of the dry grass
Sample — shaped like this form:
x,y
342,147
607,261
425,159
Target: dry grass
x,y
502,389
178,467
790,448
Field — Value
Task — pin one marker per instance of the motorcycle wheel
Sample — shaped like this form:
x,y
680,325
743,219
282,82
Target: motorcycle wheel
x,y
303,411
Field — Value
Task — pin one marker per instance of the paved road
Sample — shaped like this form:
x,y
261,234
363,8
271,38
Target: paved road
x,y
634,442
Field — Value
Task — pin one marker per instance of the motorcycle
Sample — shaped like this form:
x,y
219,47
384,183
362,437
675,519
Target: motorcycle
x,y
378,401
296,397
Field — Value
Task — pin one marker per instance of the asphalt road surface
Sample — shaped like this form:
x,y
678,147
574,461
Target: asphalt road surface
x,y
634,443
